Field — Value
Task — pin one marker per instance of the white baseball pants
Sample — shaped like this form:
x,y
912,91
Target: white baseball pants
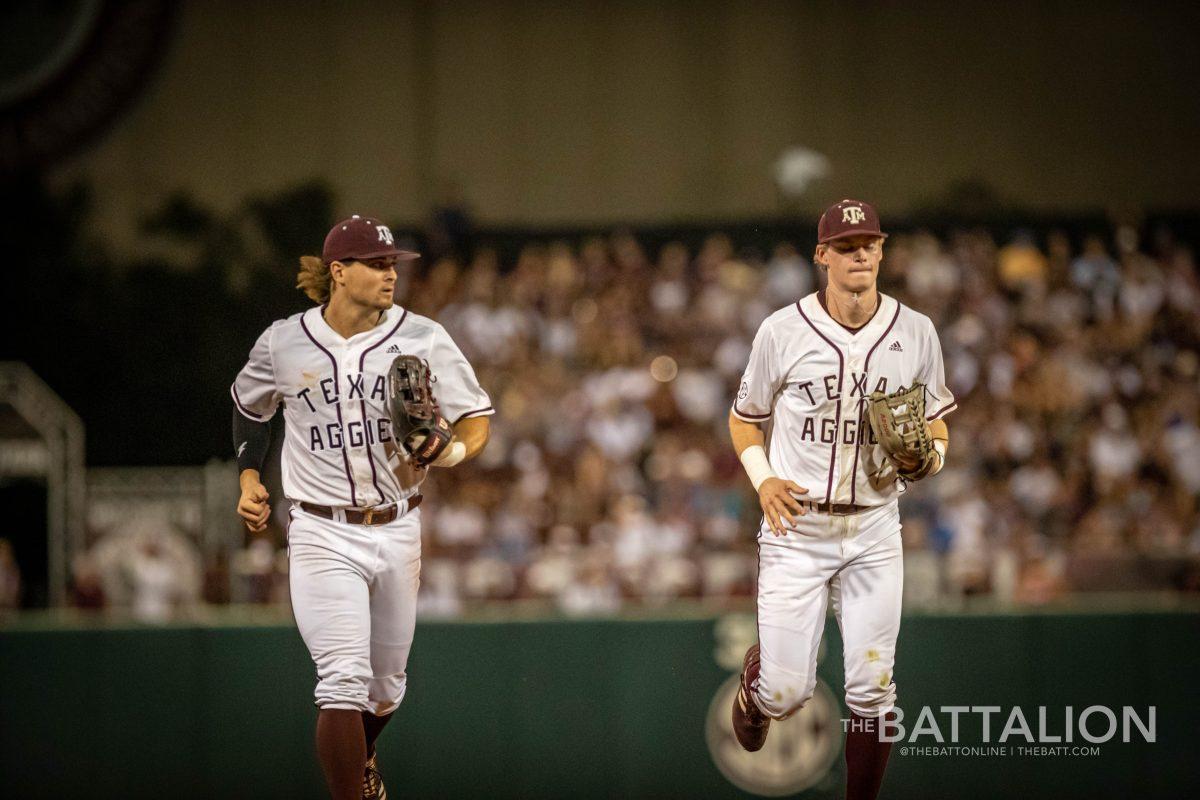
x,y
354,596
856,561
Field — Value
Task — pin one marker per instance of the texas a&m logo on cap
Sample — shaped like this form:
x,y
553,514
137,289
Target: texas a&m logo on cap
x,y
362,238
848,218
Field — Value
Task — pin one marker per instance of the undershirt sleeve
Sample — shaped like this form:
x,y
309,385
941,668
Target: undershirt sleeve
x,y
251,441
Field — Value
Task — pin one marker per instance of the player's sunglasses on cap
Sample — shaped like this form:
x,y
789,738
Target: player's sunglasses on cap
x,y
848,218
365,239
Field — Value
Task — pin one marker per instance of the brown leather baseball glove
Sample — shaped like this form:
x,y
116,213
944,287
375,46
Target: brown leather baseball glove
x,y
898,420
418,427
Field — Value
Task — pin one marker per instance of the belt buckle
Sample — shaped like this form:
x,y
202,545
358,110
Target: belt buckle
x,y
368,515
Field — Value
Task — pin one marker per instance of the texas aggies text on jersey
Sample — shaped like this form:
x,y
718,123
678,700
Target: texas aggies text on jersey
x,y
334,397
808,379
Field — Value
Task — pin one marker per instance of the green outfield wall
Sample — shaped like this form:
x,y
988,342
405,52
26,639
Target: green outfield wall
x,y
606,708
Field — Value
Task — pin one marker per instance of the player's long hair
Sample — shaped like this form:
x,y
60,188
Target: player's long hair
x,y
315,279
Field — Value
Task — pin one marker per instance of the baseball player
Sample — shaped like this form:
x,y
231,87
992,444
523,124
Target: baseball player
x,y
828,491
354,536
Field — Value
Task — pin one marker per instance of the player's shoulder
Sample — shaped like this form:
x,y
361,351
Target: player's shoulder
x,y
415,324
283,325
909,317
783,318
292,321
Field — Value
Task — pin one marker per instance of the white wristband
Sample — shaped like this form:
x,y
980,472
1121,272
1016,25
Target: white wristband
x,y
939,447
754,459
452,455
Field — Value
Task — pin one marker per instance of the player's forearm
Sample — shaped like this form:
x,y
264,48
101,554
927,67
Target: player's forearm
x,y
473,432
744,434
251,442
748,440
941,441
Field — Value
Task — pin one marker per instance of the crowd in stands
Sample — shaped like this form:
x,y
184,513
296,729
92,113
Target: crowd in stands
x,y
610,481
1075,451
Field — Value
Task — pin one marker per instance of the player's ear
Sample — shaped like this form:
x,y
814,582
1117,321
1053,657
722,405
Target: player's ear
x,y
819,256
335,271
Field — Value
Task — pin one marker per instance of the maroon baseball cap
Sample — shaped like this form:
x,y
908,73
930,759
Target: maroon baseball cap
x,y
848,218
359,238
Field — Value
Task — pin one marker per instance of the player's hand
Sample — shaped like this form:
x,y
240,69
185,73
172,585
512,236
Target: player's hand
x,y
253,506
407,472
778,500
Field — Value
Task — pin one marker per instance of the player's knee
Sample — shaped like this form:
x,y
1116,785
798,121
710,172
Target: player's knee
x,y
787,695
385,692
870,698
343,689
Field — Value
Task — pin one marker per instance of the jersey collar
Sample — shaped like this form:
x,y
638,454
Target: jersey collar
x,y
315,322
829,326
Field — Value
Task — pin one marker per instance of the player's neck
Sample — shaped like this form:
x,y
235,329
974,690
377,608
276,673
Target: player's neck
x,y
851,309
348,319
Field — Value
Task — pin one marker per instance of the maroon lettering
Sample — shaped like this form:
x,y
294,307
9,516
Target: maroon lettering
x,y
303,395
848,431
327,386
805,386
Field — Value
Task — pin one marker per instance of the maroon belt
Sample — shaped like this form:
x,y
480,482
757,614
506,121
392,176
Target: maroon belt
x,y
363,516
837,509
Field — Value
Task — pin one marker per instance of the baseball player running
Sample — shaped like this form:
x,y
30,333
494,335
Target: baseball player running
x,y
828,485
354,537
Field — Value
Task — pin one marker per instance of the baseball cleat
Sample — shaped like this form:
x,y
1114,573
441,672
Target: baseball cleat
x,y
372,785
750,724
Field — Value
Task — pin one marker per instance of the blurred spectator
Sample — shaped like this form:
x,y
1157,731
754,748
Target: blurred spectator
x,y
153,583
87,586
146,568
258,566
594,591
1041,579
439,595
1020,265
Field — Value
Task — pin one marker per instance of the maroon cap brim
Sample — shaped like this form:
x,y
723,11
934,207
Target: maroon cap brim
x,y
852,232
391,252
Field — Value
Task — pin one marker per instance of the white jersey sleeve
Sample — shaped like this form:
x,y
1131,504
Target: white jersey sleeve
x,y
255,392
762,379
456,388
939,400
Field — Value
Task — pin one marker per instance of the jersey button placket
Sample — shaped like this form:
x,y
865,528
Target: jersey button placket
x,y
362,472
850,402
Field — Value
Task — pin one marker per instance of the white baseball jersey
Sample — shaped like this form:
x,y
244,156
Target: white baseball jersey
x,y
334,396
809,378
